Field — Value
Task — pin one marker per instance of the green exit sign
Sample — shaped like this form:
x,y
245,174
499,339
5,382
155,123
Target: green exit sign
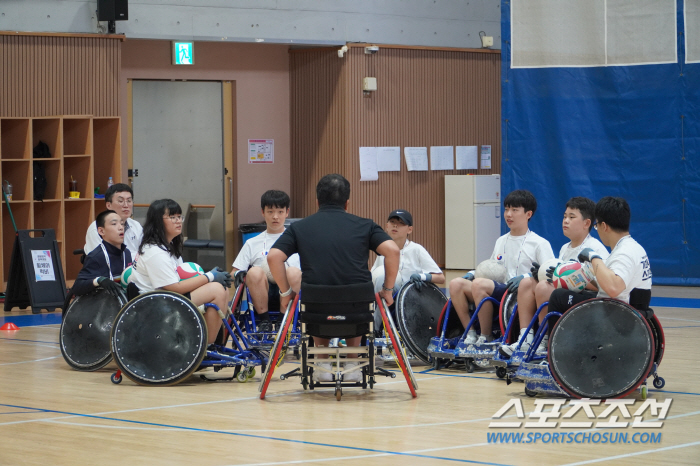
x,y
183,53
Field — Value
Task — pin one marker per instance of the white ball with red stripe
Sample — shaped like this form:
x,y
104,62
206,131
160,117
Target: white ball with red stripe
x,y
573,275
189,270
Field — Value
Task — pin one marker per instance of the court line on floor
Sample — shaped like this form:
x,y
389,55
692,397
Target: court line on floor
x,y
258,437
29,341
26,362
339,458
677,318
628,455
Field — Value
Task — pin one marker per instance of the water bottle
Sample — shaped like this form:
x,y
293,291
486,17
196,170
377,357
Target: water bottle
x,y
110,183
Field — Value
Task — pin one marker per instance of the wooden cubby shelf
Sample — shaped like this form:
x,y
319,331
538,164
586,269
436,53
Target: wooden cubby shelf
x,y
84,147
15,142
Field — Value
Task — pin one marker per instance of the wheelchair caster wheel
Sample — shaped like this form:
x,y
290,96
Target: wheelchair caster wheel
x,y
338,393
242,377
371,383
529,392
644,391
436,363
305,384
470,366
116,378
659,382
250,372
501,372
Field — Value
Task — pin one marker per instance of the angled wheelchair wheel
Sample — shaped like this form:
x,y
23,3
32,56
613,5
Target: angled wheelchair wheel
x,y
392,333
417,315
159,338
505,312
601,348
276,352
85,329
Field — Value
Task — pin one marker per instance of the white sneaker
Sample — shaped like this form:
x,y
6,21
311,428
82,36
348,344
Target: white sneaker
x,y
508,350
471,337
354,376
542,349
323,376
484,339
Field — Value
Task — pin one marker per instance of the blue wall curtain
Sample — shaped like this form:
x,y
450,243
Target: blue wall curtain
x,y
628,131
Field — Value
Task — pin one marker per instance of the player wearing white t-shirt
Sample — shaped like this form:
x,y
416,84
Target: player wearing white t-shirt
x,y
160,253
251,263
415,264
516,250
626,268
119,198
577,225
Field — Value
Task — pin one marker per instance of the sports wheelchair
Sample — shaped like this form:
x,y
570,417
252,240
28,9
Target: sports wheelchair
x,y
450,346
157,338
416,312
335,312
600,348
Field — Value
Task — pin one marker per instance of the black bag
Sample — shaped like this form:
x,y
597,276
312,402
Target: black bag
x,y
41,151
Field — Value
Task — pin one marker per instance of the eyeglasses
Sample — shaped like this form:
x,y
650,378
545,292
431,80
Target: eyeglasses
x,y
176,218
124,202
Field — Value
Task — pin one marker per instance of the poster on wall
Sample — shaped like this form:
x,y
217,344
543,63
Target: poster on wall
x,y
486,157
261,151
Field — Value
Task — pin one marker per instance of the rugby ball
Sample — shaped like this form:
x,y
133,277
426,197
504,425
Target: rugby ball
x,y
126,277
491,269
572,275
542,274
189,270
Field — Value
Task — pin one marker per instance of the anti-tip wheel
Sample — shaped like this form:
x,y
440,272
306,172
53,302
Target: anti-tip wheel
x,y
501,372
116,378
645,391
338,393
659,382
529,392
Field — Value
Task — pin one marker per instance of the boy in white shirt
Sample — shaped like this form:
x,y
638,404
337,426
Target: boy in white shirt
x,y
577,225
415,264
516,251
251,263
119,198
626,268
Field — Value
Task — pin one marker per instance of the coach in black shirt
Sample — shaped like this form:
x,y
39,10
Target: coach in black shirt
x,y
334,246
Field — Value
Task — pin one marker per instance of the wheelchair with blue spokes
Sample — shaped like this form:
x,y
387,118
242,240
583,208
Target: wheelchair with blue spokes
x,y
334,312
600,348
450,344
157,338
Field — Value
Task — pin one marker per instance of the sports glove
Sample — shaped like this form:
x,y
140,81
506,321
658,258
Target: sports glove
x,y
550,275
418,278
109,286
587,255
469,276
514,282
219,276
239,277
535,270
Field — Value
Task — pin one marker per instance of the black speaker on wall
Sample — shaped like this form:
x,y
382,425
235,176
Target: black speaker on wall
x,y
112,10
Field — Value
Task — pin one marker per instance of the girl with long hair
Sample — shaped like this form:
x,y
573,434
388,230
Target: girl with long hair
x,y
159,255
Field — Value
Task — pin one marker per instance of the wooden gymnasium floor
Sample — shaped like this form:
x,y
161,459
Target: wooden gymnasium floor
x,y
50,414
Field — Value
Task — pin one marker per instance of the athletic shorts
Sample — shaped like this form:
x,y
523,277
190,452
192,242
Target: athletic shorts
x,y
499,289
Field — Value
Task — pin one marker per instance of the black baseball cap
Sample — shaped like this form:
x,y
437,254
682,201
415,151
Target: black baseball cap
x,y
404,215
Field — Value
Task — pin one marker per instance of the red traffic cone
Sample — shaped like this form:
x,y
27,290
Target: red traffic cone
x,y
9,326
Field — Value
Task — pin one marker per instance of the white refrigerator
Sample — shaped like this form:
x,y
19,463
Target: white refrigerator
x,y
472,219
